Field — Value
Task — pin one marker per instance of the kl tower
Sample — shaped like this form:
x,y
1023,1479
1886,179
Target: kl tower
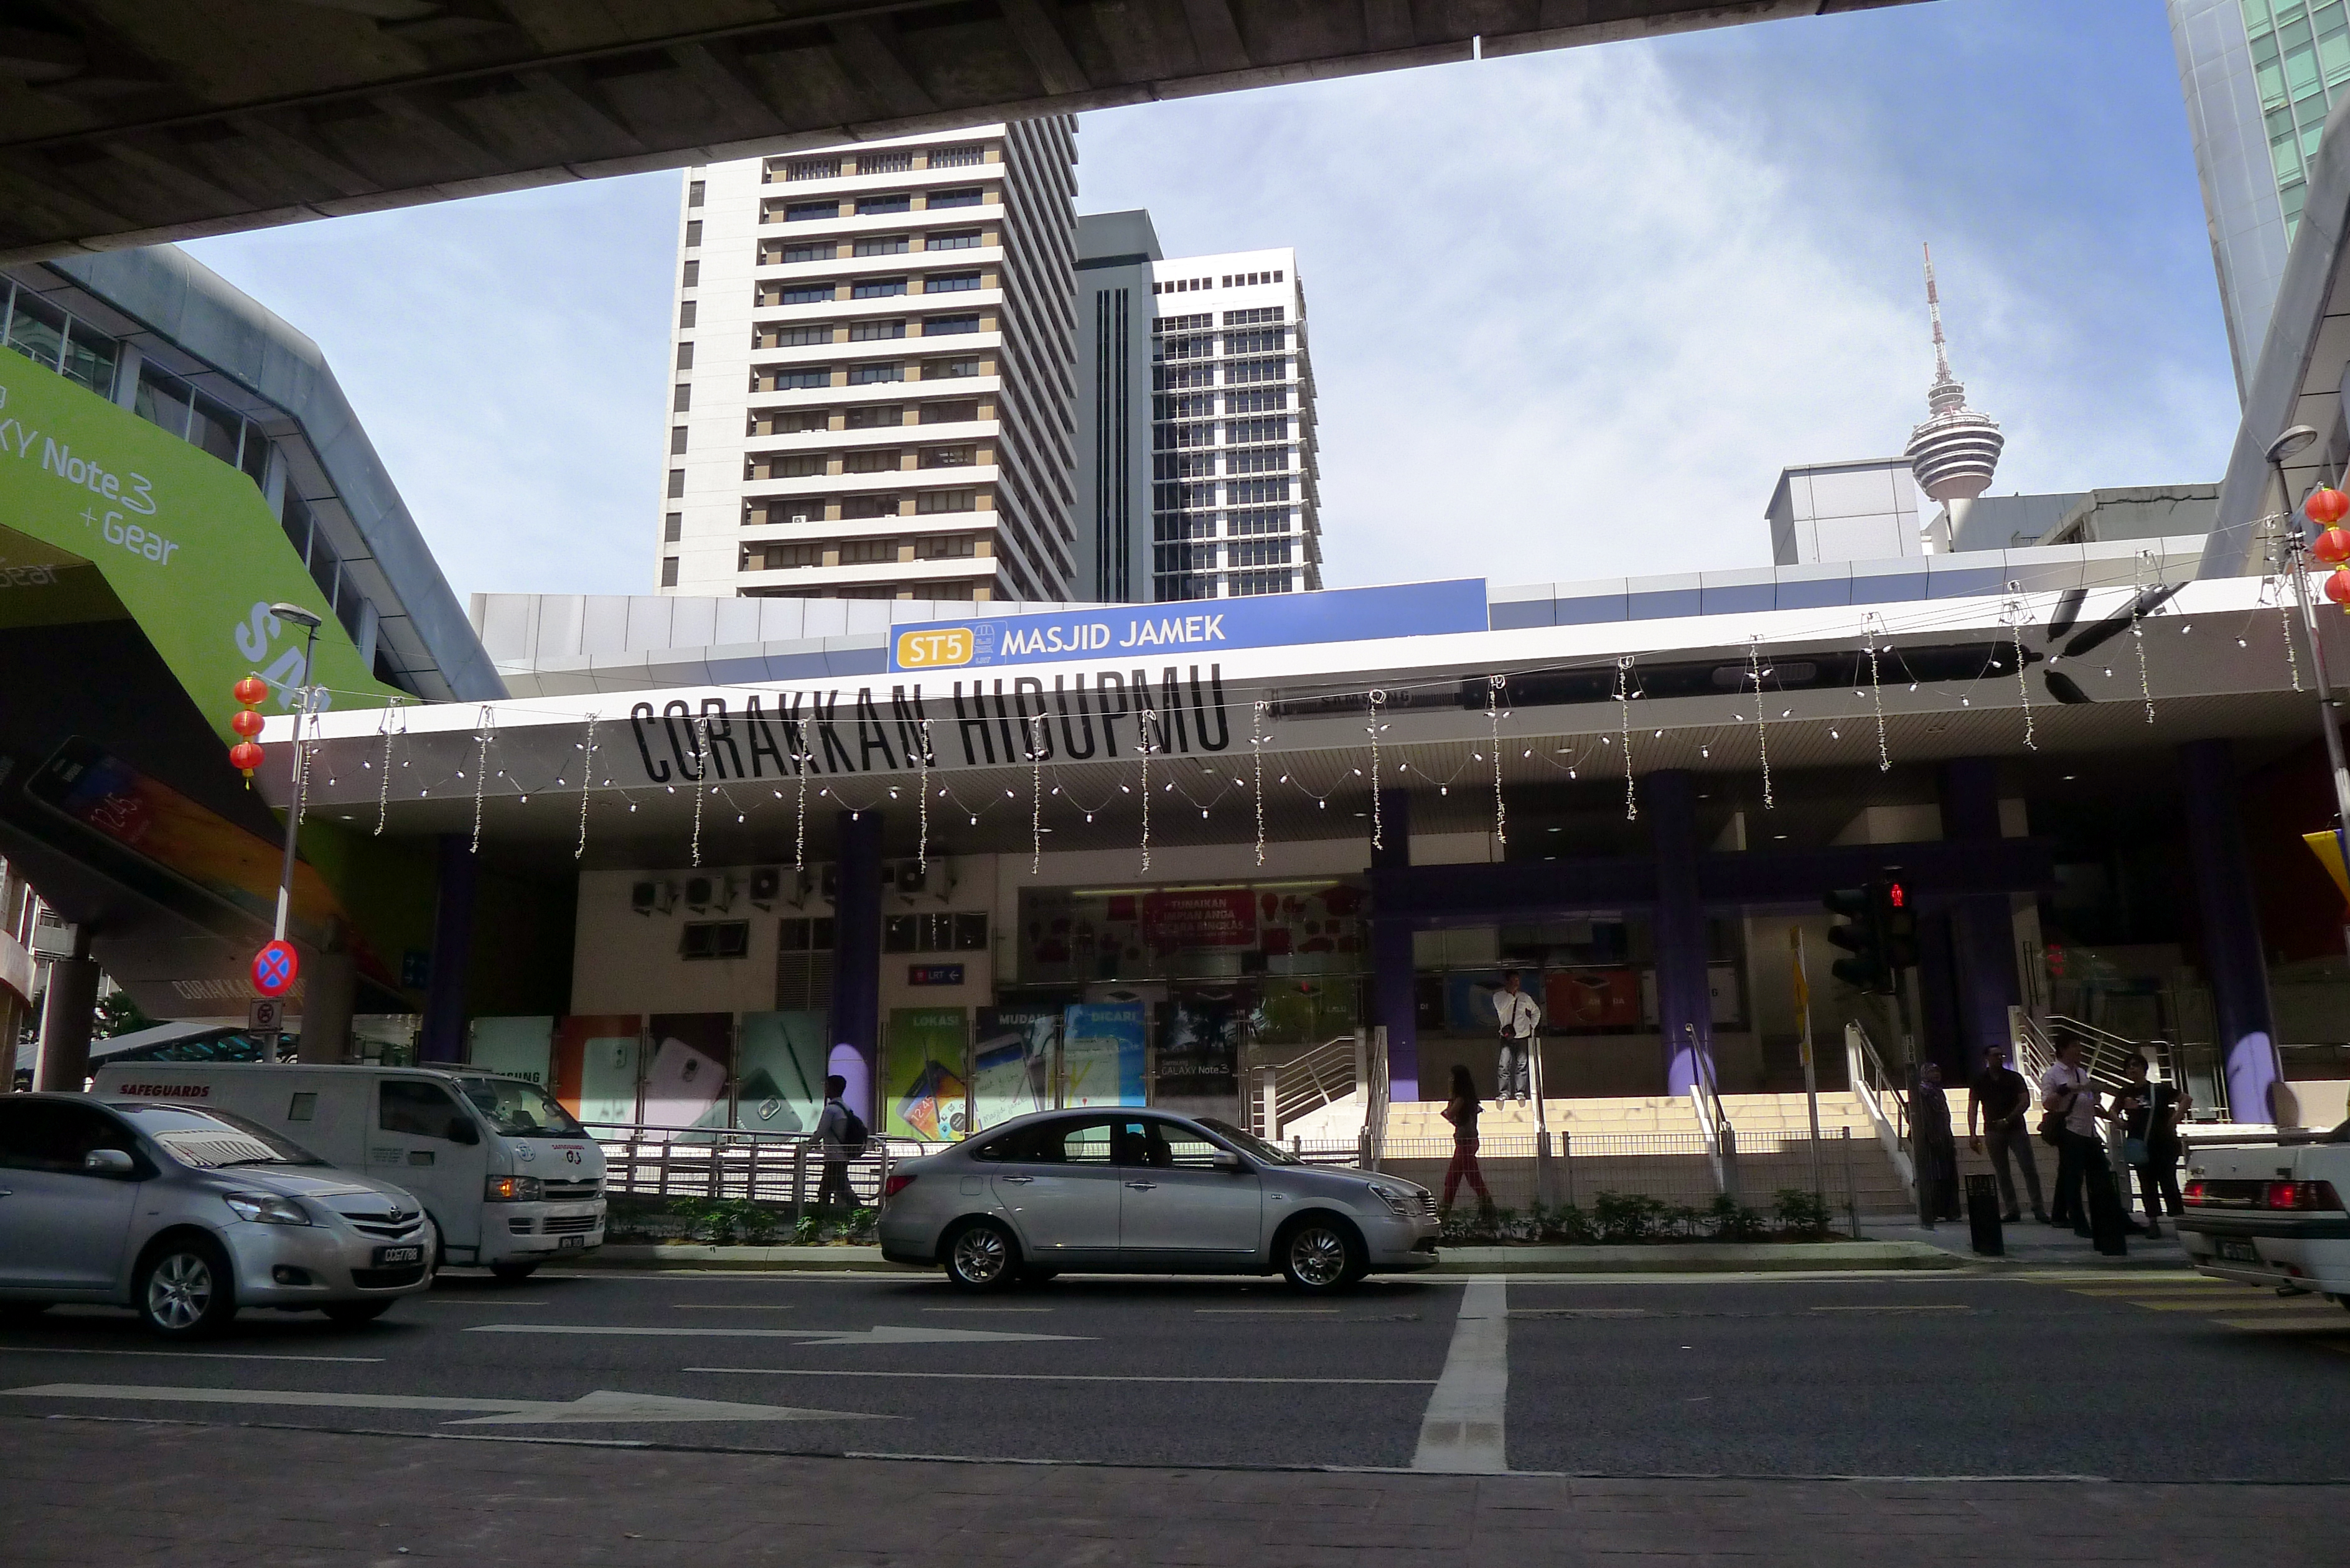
x,y
1954,453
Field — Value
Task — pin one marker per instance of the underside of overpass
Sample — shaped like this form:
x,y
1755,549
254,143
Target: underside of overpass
x,y
134,122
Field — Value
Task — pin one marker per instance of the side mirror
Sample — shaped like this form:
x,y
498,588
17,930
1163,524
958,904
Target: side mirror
x,y
461,1131
108,1162
1225,1160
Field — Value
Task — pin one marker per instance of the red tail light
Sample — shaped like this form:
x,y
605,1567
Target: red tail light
x,y
2301,1195
2195,1191
899,1181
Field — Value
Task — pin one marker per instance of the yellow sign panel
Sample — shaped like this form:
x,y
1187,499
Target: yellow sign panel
x,y
2327,847
935,649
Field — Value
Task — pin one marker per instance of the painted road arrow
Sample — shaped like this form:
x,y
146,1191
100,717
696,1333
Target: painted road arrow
x,y
603,1406
883,1335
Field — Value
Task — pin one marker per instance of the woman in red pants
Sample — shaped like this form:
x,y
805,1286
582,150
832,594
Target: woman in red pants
x,y
1461,1112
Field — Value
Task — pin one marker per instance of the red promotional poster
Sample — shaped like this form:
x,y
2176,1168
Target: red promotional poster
x,y
1199,918
1591,998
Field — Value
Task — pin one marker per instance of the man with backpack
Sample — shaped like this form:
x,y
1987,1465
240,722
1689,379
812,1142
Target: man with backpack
x,y
840,1135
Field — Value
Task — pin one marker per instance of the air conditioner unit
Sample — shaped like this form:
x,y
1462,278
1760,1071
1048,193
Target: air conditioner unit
x,y
935,881
701,892
799,516
767,885
653,898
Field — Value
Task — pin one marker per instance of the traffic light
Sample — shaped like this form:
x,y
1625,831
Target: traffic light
x,y
1860,936
1896,924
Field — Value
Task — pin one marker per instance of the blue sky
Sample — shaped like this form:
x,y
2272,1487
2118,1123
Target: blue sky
x,y
1570,312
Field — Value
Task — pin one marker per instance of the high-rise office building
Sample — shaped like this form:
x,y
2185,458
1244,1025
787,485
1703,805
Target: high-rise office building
x,y
1236,504
1115,307
873,346
2259,77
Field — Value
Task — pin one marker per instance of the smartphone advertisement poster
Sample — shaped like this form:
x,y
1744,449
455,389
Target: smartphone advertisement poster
x,y
780,1060
596,1056
1102,1053
685,1083
922,1072
1200,1054
515,1047
1012,1059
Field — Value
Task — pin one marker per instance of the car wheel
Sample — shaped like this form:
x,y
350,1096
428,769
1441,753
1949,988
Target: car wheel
x,y
185,1290
983,1256
1320,1256
513,1273
350,1312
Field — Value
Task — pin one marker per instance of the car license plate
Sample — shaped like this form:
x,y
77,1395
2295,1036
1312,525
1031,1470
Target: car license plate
x,y
563,1243
2235,1252
388,1257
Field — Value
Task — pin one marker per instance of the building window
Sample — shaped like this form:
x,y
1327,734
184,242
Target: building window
x,y
884,162
782,558
1257,430
1237,371
714,940
1249,492
677,442
953,413
935,501
957,157
942,199
870,506
784,465
786,422
1259,552
1246,583
950,370
1263,341
884,461
685,356
868,552
811,212
949,456
669,571
1257,401
1258,520
692,274
950,282
870,375
876,206
693,192
780,380
950,326
875,331
807,294
881,245
685,315
935,933
693,234
1257,460
676,483
1255,317
672,527
824,250
876,288
952,240
880,416
789,336
946,547
812,169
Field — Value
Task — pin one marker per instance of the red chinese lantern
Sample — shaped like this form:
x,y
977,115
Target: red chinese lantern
x,y
2333,546
244,755
253,690
2337,588
2326,506
246,723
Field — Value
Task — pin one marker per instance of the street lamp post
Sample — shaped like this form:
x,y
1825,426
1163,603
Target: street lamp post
x,y
295,615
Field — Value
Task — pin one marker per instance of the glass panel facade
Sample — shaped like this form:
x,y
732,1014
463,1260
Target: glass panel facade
x,y
36,330
2301,59
90,360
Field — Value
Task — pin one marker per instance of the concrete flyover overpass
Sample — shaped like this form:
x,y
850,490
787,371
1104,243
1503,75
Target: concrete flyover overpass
x,y
134,122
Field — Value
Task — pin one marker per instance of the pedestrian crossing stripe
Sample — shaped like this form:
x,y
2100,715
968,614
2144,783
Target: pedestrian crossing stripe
x,y
2292,1316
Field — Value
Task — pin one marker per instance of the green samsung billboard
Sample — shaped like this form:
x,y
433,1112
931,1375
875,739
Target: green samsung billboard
x,y
102,514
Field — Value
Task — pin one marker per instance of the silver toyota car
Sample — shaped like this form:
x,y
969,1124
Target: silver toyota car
x,y
1147,1191
187,1214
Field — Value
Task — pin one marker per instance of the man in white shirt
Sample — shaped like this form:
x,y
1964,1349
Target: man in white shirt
x,y
1520,1016
2065,1090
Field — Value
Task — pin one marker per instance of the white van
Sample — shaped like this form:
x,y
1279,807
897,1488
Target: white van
x,y
508,1178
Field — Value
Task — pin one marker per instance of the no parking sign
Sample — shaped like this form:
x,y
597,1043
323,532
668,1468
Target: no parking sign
x,y
274,968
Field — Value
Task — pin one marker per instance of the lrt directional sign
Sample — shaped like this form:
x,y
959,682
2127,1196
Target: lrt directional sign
x,y
274,969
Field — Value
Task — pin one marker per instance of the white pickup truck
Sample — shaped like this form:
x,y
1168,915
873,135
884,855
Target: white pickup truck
x,y
2273,1213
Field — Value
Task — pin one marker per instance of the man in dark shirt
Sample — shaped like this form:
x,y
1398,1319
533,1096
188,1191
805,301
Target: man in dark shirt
x,y
2003,1100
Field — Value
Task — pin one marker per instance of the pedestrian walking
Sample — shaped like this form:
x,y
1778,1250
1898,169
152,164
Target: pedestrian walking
x,y
2151,1114
1934,1147
1520,1017
2004,1100
1462,1110
840,1137
2071,1123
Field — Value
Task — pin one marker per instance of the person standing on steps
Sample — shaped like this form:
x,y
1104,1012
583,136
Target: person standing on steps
x,y
1520,1017
2002,1101
1462,1110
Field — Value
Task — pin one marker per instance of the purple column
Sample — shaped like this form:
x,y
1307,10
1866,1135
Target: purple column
x,y
856,958
1391,971
442,1037
1982,930
2231,918
1684,1009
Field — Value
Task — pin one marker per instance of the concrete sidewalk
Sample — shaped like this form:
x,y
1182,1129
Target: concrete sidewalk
x,y
2030,1245
1664,1258
75,1493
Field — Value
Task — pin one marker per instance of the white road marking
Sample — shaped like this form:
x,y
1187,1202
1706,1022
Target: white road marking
x,y
469,1301
713,1306
1464,1429
876,1335
987,1309
183,1354
1069,1376
1266,1312
603,1404
1891,1306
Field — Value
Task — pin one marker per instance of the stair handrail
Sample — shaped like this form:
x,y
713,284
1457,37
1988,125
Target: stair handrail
x,y
1871,1085
2104,1053
1375,1106
1316,1076
1705,1099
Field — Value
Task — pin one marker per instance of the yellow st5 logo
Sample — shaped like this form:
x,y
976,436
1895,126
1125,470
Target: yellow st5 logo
x,y
933,650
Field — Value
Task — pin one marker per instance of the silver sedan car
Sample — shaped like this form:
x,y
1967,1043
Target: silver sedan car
x,y
187,1214
1147,1191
